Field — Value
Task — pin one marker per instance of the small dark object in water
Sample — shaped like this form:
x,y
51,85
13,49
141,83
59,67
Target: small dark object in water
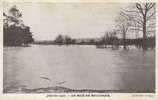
x,y
46,78
101,46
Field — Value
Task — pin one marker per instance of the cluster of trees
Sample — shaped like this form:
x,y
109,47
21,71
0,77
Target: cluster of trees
x,y
67,40
116,42
109,38
15,33
140,17
64,39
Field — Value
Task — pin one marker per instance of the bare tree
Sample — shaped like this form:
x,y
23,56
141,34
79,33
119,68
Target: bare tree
x,y
142,18
123,23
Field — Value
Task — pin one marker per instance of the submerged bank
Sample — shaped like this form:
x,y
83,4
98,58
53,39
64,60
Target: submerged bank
x,y
58,89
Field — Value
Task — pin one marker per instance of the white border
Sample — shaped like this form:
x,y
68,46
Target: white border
x,y
113,96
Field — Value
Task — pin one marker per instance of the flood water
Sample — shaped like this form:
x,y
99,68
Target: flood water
x,y
78,67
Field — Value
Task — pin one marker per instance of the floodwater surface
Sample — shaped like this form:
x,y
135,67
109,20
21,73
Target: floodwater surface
x,y
78,67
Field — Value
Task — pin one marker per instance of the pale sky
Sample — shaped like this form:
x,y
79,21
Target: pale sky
x,y
78,20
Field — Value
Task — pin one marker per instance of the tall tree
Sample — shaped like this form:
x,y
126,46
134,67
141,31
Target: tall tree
x,y
145,10
143,19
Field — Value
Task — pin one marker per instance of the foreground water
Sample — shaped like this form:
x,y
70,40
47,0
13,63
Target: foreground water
x,y
78,67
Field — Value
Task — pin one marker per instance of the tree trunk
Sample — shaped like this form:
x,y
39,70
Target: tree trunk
x,y
124,41
144,46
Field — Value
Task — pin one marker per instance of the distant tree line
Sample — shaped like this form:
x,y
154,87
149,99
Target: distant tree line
x,y
15,33
102,42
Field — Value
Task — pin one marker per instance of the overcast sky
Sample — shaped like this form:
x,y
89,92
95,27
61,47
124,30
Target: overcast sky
x,y
78,20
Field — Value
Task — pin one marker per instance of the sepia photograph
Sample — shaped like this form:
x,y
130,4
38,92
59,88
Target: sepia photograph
x,y
79,47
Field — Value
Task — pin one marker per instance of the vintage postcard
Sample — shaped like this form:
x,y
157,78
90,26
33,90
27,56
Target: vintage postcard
x,y
79,49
